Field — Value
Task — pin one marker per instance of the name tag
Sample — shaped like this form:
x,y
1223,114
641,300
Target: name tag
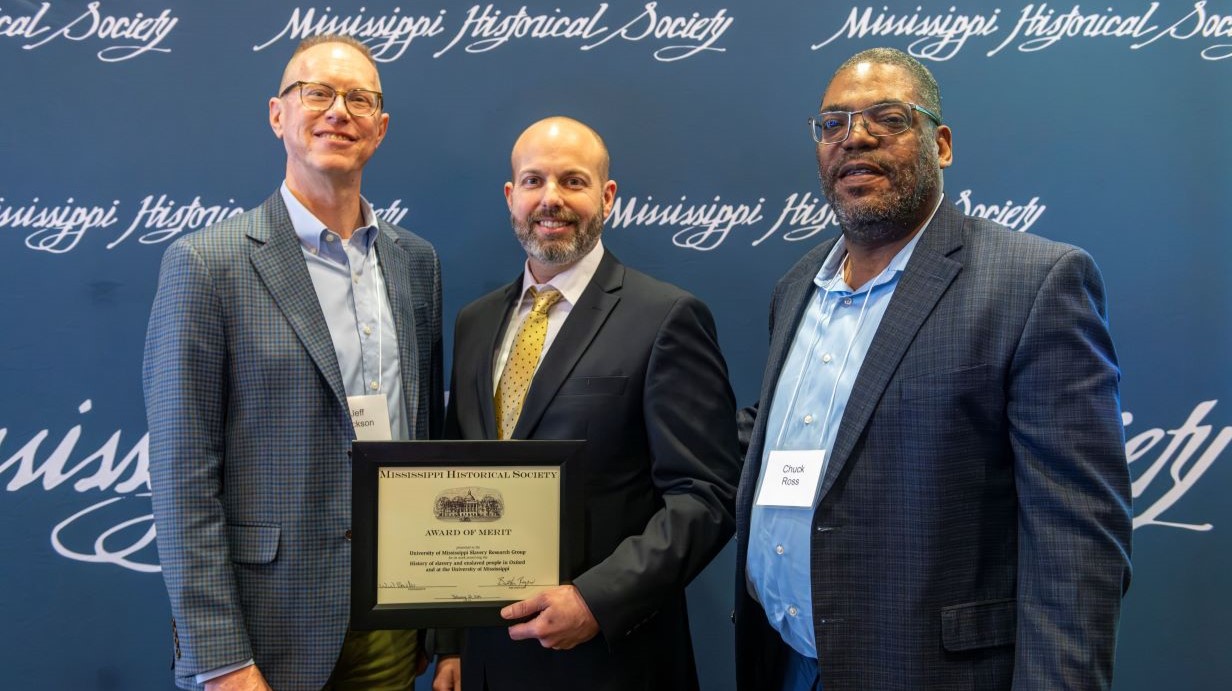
x,y
370,417
791,478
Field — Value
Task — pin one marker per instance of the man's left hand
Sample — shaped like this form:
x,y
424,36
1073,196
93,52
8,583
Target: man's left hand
x,y
563,621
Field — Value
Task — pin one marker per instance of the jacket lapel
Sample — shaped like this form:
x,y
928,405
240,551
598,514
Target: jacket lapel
x,y
790,302
926,278
793,299
279,261
575,336
492,324
396,273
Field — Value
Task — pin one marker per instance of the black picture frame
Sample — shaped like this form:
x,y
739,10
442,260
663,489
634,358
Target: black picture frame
x,y
368,458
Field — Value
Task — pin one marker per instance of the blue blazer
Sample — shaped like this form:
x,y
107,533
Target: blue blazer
x,y
973,527
249,441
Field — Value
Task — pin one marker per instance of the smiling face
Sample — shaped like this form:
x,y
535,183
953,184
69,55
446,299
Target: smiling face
x,y
559,194
882,188
329,144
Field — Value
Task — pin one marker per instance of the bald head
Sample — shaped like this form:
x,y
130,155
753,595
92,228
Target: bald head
x,y
559,194
560,131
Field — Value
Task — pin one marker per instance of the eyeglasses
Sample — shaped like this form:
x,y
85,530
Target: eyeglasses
x,y
881,120
358,102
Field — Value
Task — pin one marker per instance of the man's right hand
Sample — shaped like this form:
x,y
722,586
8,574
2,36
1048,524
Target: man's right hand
x,y
448,674
245,679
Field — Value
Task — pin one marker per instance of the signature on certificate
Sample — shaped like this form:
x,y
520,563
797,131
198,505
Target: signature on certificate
x,y
399,585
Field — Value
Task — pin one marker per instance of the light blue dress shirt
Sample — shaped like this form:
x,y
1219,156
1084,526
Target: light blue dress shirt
x,y
347,277
808,404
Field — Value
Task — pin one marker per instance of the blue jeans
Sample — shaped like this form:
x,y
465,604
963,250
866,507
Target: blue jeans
x,y
801,673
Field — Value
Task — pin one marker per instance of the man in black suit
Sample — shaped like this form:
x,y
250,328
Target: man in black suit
x,y
581,347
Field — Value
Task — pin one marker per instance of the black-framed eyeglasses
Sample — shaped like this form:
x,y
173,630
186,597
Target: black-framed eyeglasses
x,y
316,96
880,120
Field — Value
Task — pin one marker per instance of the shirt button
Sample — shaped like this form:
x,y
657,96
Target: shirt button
x,y
330,237
367,330
826,358
374,386
846,301
778,549
314,251
355,279
808,419
792,610
348,535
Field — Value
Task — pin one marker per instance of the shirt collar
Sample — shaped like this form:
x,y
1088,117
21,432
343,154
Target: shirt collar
x,y
572,281
830,276
311,230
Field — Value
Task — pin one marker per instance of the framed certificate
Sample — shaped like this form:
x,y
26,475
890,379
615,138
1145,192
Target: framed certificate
x,y
446,533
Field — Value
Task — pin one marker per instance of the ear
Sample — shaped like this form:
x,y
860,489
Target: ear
x,y
609,197
275,116
945,146
382,128
509,195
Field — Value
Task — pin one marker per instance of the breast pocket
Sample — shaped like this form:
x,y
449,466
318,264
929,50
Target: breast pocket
x,y
593,386
948,383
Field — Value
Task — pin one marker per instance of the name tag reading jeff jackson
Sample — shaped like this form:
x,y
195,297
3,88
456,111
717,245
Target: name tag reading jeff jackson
x,y
370,417
466,534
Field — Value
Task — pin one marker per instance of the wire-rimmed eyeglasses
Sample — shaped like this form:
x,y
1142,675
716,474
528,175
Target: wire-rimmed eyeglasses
x,y
880,120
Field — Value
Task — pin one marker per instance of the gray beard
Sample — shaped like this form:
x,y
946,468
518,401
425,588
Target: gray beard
x,y
879,221
558,253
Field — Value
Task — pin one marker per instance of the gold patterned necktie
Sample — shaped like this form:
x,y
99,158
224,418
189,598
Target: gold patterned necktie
x,y
523,358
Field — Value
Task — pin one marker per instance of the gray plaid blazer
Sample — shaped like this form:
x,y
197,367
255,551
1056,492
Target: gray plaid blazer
x,y
249,434
973,528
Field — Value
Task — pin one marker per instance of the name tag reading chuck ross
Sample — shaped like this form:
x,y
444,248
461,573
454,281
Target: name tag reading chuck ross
x,y
370,417
791,478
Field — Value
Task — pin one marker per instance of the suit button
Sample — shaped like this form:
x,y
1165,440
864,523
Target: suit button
x,y
347,534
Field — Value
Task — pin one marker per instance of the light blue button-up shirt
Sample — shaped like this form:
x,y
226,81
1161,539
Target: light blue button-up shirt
x,y
808,404
347,277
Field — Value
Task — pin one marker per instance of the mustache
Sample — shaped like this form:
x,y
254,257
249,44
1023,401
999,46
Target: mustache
x,y
887,166
554,215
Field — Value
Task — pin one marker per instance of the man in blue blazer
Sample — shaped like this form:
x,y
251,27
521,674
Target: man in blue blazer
x,y
268,330
631,365
936,493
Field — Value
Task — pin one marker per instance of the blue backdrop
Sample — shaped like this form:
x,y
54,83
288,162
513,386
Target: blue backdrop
x,y
129,123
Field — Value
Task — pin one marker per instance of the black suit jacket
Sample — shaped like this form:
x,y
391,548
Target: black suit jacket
x,y
636,372
973,527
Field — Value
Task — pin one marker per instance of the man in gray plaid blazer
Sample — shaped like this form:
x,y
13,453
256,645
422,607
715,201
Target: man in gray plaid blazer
x,y
267,331
936,493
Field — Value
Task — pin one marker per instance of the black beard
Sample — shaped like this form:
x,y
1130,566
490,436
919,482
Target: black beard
x,y
558,252
883,220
